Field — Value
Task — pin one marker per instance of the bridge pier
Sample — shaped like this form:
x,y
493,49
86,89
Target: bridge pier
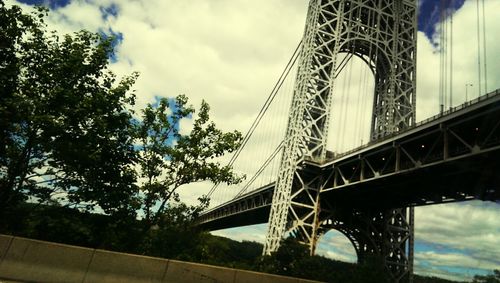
x,y
383,34
383,236
305,208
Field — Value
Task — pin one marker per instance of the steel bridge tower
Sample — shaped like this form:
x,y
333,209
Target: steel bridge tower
x,y
383,34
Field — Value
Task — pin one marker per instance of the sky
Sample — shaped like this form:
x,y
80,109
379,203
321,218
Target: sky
x,y
231,53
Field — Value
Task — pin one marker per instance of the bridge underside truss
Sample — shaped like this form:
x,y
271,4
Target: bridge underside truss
x,y
375,235
451,157
383,34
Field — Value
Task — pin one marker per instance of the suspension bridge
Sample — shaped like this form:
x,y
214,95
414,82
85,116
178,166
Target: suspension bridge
x,y
303,175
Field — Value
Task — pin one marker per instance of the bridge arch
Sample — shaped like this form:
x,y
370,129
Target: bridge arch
x,y
362,240
353,100
368,51
387,76
336,245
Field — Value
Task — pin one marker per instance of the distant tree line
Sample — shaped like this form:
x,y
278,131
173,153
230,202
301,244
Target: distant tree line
x,y
493,277
177,238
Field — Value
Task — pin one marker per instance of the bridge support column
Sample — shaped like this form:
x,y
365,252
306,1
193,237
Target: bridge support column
x,y
305,208
383,34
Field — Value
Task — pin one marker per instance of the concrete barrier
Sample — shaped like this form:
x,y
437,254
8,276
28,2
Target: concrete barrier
x,y
37,261
26,260
244,276
4,245
109,267
185,272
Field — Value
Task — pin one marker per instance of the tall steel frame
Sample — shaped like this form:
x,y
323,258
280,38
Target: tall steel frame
x,y
383,34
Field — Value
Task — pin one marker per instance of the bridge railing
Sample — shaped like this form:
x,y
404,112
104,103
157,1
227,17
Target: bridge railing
x,y
451,110
243,196
428,120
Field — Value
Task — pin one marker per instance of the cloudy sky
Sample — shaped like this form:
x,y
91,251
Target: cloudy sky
x,y
231,53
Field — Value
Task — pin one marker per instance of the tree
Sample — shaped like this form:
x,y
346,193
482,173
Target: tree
x,y
69,137
490,278
167,159
175,234
286,259
65,119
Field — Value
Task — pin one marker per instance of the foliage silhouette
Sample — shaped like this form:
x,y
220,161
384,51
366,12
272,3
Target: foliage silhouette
x,y
65,133
490,278
167,159
70,136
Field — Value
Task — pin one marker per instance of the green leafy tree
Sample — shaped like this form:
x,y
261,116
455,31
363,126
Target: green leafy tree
x,y
286,259
65,119
167,159
174,235
69,137
490,278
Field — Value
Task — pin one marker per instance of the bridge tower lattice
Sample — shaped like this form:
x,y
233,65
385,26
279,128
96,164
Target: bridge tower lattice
x,y
383,34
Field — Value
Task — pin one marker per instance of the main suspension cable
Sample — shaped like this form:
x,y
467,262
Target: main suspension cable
x,y
264,108
261,169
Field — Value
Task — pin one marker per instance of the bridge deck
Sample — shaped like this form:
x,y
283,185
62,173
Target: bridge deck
x,y
454,156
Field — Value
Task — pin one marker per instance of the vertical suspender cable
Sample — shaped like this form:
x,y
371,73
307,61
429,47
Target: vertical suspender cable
x,y
346,112
451,51
358,107
264,108
478,50
371,60
445,45
441,41
341,114
484,51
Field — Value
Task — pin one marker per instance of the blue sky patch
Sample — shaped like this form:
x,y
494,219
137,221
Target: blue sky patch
x,y
430,11
109,11
118,39
424,246
52,4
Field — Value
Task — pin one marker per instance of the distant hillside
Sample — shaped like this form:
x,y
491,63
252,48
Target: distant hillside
x,y
184,242
246,255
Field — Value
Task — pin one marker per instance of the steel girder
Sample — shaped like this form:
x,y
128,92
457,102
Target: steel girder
x,y
458,162
462,142
383,34
237,211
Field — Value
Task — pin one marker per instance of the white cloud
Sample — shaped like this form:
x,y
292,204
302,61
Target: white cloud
x,y
452,260
471,228
255,233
